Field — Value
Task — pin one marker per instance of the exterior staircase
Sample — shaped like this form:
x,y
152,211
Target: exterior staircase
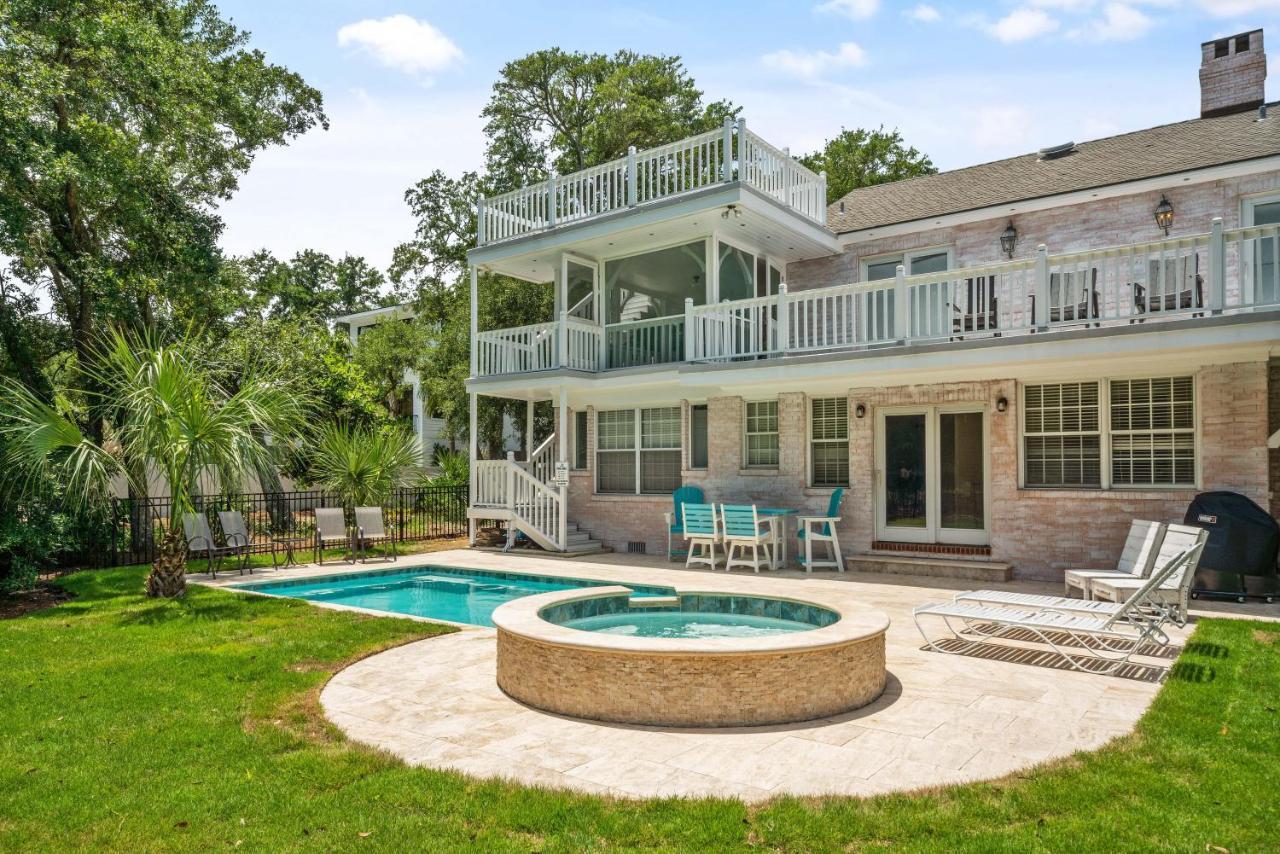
x,y
579,542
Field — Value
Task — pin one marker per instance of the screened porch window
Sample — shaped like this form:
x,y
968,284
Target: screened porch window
x,y
655,284
638,450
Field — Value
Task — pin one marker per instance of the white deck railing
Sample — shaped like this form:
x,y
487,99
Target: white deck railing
x,y
727,154
505,489
1168,280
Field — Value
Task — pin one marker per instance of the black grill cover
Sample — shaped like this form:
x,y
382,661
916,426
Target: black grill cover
x,y
1243,538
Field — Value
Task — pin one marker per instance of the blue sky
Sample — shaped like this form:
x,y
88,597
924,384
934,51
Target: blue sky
x,y
404,83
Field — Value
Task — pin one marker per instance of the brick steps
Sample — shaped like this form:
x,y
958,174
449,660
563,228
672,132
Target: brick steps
x,y
932,567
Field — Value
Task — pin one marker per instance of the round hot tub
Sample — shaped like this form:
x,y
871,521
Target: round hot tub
x,y
694,659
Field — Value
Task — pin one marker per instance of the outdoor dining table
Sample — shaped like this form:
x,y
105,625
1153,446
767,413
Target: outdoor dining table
x,y
780,531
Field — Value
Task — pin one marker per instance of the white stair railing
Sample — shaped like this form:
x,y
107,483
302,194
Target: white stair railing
x,y
507,491
542,462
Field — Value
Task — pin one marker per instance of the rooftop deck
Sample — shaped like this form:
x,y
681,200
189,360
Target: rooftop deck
x,y
1157,283
722,156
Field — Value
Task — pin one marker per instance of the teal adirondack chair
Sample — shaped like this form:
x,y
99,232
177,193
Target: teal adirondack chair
x,y
821,529
675,517
702,527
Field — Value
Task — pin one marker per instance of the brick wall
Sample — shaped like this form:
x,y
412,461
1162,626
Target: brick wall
x,y
1107,222
1039,531
1273,424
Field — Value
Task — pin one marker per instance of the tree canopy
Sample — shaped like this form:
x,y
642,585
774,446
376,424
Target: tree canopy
x,y
125,122
861,158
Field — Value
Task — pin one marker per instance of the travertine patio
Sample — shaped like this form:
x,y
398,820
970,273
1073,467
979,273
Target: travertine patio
x,y
942,719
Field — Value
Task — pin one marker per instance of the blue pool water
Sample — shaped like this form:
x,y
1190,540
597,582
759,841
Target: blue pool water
x,y
686,624
439,593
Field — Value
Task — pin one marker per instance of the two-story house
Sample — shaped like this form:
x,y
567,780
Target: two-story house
x,y
1006,362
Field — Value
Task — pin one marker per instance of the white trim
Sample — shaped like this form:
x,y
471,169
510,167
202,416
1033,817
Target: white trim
x,y
1105,432
908,256
776,433
809,440
1108,191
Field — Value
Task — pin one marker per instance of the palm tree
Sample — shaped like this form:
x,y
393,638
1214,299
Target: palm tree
x,y
165,416
364,466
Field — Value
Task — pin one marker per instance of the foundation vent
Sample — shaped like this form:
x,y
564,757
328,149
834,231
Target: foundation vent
x,y
635,547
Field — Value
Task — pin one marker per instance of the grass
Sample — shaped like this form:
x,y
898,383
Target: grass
x,y
127,723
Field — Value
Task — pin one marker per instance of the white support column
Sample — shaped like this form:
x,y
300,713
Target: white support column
x,y
782,326
551,202
473,440
1041,320
562,448
633,196
689,330
1217,268
900,315
475,330
528,431
726,150
562,341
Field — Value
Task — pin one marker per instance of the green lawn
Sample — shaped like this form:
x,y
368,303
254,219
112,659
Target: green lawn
x,y
133,724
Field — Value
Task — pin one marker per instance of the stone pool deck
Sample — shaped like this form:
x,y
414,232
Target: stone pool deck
x,y
942,719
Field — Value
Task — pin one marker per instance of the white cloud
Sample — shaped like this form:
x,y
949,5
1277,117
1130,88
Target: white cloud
x,y
923,13
1063,5
1001,128
1118,22
854,10
402,42
813,64
1228,8
1022,24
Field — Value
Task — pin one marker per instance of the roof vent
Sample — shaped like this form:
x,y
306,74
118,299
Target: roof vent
x,y
1053,152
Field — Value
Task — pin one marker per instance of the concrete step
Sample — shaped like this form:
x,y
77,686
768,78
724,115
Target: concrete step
x,y
932,567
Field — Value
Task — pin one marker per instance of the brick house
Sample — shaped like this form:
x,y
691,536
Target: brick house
x,y
1006,362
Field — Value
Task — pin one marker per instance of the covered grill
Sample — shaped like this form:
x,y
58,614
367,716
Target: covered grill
x,y
1239,559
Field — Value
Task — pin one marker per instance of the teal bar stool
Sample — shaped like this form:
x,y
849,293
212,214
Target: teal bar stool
x,y
821,529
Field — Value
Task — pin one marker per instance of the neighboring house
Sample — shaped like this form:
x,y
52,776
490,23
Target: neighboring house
x,y
1010,360
428,424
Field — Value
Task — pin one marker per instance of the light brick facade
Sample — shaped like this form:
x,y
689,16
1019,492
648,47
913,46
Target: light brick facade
x,y
1039,531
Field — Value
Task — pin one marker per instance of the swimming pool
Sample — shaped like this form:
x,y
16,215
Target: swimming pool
x,y
686,624
435,592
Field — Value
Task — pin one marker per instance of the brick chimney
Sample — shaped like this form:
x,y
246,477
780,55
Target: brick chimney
x,y
1233,74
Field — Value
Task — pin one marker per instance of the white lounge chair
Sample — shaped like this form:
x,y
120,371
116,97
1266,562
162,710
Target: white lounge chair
x,y
1137,558
1109,640
744,529
1175,591
1166,598
702,529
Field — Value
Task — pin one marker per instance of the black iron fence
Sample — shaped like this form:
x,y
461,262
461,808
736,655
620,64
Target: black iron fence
x,y
422,513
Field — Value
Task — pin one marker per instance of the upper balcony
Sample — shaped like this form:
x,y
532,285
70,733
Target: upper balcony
x,y
724,156
1159,285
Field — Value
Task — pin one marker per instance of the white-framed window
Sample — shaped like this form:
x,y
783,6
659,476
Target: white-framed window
x,y
1263,210
829,441
638,450
933,259
1122,433
760,434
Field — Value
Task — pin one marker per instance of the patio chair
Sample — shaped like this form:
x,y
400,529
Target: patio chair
x,y
371,530
195,527
743,530
1175,591
235,535
1137,558
1160,600
702,528
980,310
1108,640
821,529
331,529
674,518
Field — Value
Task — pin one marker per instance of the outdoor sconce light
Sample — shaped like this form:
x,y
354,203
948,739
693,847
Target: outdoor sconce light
x,y
1164,215
860,411
1009,239
1002,404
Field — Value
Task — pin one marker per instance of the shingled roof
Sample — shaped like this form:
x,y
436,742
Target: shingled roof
x,y
1164,150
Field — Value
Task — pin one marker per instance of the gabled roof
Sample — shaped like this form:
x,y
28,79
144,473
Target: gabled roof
x,y
1150,153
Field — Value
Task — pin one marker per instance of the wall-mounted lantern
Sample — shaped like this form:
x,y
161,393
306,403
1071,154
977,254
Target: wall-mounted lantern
x,y
860,411
1164,215
1008,239
1002,404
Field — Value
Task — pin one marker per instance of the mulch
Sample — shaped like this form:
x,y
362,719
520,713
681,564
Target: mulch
x,y
38,598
